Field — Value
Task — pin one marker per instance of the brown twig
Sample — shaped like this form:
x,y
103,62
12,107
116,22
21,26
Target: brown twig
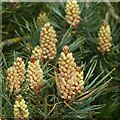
x,y
51,110
70,106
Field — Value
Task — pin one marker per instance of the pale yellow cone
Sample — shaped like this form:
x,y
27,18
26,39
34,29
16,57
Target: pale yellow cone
x,y
36,53
15,75
104,38
20,109
72,13
67,81
48,42
34,75
80,77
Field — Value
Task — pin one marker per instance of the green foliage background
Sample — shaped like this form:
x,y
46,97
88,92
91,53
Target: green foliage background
x,y
19,19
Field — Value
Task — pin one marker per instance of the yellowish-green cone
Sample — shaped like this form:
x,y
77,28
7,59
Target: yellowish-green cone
x,y
42,18
72,13
104,38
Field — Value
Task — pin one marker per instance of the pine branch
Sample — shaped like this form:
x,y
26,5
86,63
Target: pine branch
x,y
98,70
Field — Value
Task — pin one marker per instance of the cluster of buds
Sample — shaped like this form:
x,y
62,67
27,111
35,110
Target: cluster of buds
x,y
36,52
104,38
20,109
42,18
69,82
34,75
72,13
15,75
48,42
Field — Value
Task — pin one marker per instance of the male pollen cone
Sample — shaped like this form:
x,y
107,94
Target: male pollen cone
x,y
20,109
68,82
72,13
15,75
48,42
104,38
34,75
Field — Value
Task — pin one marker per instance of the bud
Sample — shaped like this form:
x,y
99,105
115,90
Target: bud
x,y
36,52
20,108
68,79
28,47
42,18
48,42
34,75
15,75
72,13
104,38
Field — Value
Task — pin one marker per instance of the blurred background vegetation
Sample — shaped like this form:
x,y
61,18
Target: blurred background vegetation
x,y
18,20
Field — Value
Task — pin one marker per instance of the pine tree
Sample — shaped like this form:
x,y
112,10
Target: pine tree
x,y
61,63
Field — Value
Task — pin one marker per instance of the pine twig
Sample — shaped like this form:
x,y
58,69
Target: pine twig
x,y
51,111
70,107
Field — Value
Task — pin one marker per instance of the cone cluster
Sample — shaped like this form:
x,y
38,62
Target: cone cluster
x,y
20,109
48,42
41,19
104,38
36,52
72,13
15,75
34,75
69,81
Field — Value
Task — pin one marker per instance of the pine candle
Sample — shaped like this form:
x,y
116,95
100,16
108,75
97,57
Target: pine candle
x,y
48,42
34,75
20,109
70,79
72,13
15,75
104,38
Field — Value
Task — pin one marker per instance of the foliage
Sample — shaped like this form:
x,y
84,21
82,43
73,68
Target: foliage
x,y
101,72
